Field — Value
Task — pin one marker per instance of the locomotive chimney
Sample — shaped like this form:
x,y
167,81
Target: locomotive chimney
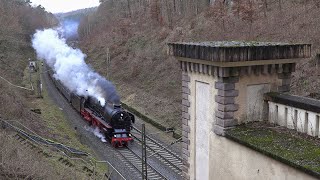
x,y
117,106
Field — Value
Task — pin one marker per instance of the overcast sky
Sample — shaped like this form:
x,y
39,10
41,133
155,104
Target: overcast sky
x,y
56,6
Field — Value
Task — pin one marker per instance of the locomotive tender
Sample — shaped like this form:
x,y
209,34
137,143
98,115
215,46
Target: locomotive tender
x,y
112,120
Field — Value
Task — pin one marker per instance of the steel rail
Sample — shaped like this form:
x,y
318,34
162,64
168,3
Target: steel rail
x,y
157,143
157,154
37,140
160,176
149,168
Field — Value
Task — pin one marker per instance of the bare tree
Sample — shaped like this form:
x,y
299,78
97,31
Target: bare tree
x,y
129,8
280,4
155,10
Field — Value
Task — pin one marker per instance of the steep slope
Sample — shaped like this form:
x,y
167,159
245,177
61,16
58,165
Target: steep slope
x,y
18,22
136,36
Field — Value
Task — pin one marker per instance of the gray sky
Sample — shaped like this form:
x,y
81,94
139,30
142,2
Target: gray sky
x,y
56,6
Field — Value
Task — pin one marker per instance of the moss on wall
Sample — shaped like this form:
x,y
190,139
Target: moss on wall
x,y
293,150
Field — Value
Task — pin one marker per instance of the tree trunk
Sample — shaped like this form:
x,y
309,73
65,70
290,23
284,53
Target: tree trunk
x,y
129,8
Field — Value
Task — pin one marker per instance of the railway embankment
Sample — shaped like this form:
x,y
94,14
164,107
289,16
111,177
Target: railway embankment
x,y
63,158
52,124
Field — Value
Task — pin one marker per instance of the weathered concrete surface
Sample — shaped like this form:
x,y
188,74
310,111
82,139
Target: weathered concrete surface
x,y
224,51
251,84
302,120
223,85
202,88
226,159
202,92
230,160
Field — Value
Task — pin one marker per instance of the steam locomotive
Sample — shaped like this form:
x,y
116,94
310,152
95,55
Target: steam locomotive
x,y
112,120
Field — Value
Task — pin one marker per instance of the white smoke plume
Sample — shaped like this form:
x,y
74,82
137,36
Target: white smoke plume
x,y
96,132
69,29
70,67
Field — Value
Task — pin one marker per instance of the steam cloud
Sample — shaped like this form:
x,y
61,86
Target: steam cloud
x,y
96,132
69,29
71,69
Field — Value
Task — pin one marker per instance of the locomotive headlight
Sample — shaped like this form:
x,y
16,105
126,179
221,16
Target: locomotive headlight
x,y
129,135
114,135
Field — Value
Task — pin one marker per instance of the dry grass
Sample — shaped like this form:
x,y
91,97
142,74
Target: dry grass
x,y
24,162
149,80
17,161
21,162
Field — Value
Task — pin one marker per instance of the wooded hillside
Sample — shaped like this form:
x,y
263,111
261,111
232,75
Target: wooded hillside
x,y
18,22
76,15
136,33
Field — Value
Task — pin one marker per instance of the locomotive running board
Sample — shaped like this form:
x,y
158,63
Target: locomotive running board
x,y
97,118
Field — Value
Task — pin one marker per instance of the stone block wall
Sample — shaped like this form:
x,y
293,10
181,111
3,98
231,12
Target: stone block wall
x,y
217,77
226,105
185,125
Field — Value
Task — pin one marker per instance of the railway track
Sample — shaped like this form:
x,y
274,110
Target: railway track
x,y
134,162
131,159
159,151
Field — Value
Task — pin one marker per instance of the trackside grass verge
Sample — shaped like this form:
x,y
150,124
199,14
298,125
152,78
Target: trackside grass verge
x,y
57,127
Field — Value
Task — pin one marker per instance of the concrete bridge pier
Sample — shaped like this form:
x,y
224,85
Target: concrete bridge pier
x,y
222,86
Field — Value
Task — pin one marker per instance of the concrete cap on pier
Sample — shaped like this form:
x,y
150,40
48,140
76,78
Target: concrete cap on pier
x,y
229,53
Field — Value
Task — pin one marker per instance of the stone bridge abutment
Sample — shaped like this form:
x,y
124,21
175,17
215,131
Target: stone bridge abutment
x,y
223,84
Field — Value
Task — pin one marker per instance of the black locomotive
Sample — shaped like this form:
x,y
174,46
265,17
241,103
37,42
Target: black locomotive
x,y
111,119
